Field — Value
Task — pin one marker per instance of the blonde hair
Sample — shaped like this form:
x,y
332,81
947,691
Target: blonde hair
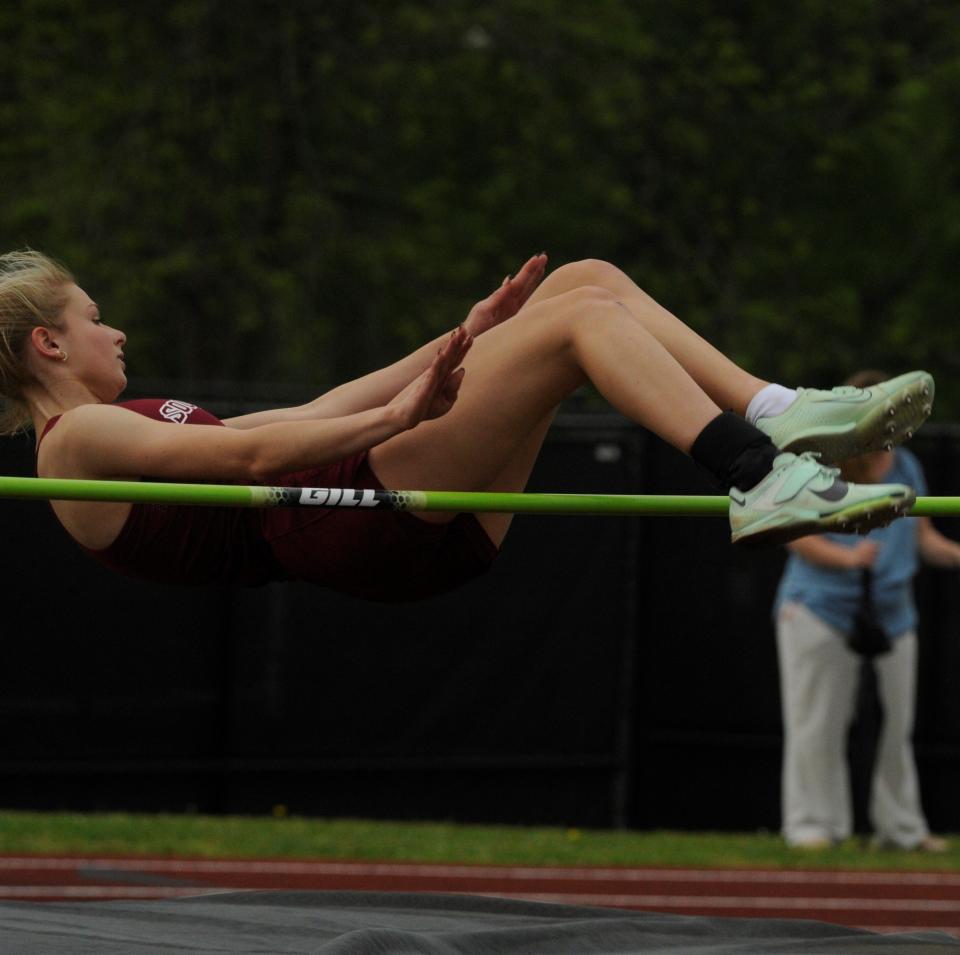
x,y
32,293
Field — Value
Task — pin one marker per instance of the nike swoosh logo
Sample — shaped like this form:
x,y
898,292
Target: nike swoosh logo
x,y
836,492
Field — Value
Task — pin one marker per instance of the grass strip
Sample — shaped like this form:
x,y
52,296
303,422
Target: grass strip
x,y
289,837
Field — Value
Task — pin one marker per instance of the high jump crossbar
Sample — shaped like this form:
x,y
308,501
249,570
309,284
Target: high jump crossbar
x,y
229,495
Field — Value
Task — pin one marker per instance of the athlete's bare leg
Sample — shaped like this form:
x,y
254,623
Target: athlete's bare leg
x,y
726,383
517,374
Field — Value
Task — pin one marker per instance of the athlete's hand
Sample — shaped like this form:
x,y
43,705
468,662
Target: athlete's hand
x,y
434,392
507,300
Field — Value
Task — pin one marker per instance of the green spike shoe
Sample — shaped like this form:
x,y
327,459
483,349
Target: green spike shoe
x,y
848,421
800,496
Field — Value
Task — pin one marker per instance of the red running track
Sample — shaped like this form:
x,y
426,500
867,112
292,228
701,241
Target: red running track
x,y
879,901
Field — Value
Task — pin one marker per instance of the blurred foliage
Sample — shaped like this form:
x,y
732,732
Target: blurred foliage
x,y
301,190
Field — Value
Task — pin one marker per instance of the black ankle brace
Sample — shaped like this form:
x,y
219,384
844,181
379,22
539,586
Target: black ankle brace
x,y
735,452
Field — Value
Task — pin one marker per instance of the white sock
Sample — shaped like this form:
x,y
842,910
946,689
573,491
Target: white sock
x,y
769,401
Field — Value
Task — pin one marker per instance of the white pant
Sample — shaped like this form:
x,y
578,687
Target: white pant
x,y
818,688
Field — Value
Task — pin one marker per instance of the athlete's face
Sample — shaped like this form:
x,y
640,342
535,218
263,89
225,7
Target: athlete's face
x,y
94,350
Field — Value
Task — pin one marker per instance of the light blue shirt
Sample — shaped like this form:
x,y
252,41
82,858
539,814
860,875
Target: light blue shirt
x,y
833,594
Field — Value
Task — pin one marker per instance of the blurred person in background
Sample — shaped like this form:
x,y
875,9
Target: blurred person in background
x,y
842,599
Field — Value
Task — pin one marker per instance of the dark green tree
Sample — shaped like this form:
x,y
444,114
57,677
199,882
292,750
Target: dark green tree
x,y
299,191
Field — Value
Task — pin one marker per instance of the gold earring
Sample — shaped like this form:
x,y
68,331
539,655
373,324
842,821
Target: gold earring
x,y
63,356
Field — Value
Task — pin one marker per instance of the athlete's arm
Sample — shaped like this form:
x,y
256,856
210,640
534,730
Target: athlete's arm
x,y
362,394
377,388
109,442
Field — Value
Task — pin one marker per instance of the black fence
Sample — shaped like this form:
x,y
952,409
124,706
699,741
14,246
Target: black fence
x,y
608,672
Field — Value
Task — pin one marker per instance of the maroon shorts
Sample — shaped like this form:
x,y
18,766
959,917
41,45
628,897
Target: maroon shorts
x,y
374,554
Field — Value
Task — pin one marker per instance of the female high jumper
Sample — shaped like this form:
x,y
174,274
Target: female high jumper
x,y
468,411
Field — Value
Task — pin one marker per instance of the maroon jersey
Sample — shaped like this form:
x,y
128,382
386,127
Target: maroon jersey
x,y
195,546
377,555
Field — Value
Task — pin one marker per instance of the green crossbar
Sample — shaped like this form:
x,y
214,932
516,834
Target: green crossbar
x,y
229,495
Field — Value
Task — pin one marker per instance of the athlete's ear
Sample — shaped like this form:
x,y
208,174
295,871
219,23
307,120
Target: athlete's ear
x,y
44,343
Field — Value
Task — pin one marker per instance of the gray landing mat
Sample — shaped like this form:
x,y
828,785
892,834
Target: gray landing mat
x,y
379,923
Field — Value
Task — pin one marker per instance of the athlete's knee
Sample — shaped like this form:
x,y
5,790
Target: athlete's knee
x,y
560,322
591,273
583,312
584,304
593,294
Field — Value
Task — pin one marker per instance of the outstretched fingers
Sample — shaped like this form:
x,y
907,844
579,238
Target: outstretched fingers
x,y
433,393
525,282
516,289
451,387
448,373
509,298
454,349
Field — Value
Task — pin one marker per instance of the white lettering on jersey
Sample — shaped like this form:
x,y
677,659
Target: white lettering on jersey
x,y
177,411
